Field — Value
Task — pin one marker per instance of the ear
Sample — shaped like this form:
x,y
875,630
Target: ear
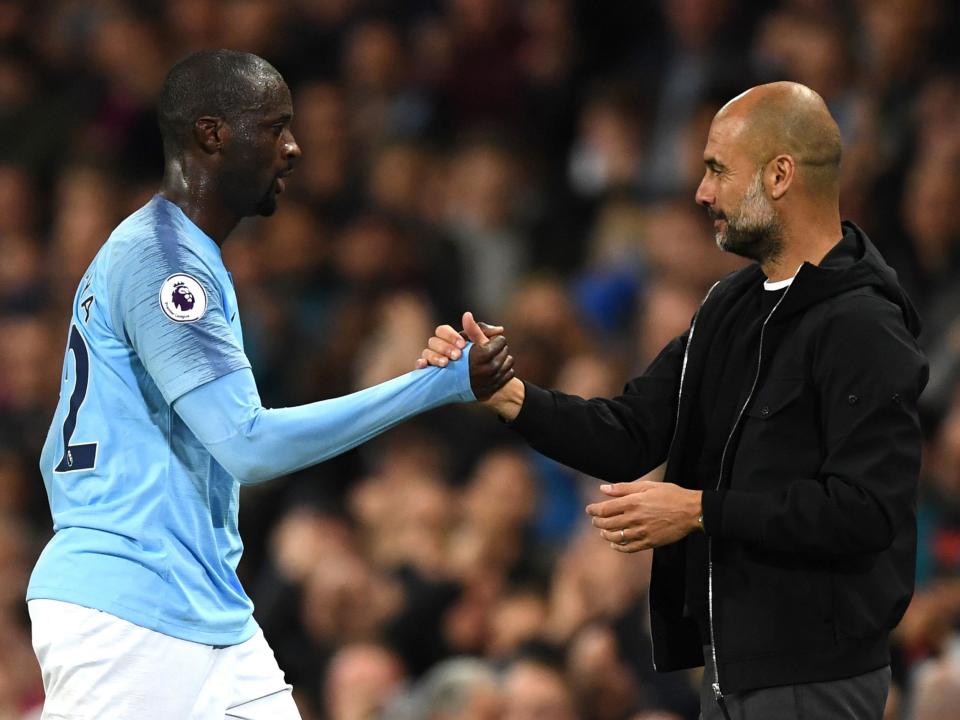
x,y
781,172
210,133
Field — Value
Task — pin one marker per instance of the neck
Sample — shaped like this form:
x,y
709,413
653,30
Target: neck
x,y
807,239
195,191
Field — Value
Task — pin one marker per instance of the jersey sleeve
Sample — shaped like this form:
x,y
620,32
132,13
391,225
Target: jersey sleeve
x,y
255,444
168,305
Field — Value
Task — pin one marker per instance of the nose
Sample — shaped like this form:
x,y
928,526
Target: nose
x,y
291,150
705,192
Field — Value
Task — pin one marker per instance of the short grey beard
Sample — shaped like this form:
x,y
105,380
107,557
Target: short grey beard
x,y
753,230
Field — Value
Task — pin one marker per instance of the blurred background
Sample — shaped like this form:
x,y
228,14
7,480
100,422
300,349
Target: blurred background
x,y
533,161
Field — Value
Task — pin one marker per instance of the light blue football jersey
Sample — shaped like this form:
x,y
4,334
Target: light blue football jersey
x,y
145,519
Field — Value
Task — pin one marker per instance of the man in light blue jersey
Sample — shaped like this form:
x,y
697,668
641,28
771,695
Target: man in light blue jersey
x,y
136,607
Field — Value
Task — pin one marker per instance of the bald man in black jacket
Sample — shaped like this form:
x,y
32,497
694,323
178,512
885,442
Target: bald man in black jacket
x,y
785,528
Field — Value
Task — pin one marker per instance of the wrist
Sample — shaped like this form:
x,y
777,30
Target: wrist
x,y
696,510
508,400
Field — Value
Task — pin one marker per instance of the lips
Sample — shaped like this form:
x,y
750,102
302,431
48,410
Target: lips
x,y
281,178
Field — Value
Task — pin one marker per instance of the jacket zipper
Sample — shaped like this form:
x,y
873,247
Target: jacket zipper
x,y
717,692
683,372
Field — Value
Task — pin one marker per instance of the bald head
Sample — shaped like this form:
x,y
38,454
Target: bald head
x,y
786,118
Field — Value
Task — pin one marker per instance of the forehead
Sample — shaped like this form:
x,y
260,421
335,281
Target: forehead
x,y
271,95
726,141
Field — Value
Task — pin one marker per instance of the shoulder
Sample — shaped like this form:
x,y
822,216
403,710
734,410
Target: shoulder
x,y
865,329
862,310
149,250
151,264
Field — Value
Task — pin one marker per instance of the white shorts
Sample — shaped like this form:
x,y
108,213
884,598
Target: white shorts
x,y
98,667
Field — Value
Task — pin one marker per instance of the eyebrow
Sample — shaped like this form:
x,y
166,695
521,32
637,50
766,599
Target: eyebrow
x,y
284,117
713,163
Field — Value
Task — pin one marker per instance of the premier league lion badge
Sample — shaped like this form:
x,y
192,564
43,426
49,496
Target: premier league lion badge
x,y
182,298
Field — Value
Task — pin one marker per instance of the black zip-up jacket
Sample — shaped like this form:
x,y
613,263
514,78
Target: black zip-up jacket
x,y
812,520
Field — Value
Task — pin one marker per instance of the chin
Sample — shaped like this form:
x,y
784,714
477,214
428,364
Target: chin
x,y
267,206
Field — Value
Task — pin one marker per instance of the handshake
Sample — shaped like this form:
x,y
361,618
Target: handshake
x,y
491,364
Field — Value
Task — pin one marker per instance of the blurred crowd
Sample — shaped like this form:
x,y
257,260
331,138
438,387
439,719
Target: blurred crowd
x,y
533,161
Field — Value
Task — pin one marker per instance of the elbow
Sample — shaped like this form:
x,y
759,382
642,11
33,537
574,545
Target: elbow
x,y
244,458
251,475
243,465
874,537
250,471
878,541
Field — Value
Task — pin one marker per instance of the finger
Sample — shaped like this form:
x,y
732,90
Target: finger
x,y
505,367
491,330
421,363
432,358
631,547
605,509
442,347
493,386
614,536
449,334
484,353
497,361
473,330
614,522
484,371
624,488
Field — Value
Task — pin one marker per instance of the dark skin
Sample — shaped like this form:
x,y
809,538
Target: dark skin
x,y
232,170
229,171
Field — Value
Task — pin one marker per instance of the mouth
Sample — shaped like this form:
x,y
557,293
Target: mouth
x,y
281,180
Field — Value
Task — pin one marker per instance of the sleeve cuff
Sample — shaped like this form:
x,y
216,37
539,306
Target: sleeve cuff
x,y
464,389
711,504
535,410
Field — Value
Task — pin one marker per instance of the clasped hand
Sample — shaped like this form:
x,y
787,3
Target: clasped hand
x,y
644,514
491,365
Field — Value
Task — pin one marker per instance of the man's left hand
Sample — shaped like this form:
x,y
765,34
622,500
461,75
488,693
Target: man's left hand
x,y
491,364
644,514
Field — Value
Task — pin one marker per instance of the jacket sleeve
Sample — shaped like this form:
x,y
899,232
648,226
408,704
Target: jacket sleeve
x,y
868,374
614,439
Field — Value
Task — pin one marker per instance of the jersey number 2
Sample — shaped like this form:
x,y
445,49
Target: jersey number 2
x,y
84,455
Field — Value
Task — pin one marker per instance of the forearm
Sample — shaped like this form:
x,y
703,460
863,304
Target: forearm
x,y
255,444
812,517
615,439
864,496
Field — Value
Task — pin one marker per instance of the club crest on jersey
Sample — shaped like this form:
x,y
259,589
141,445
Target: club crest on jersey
x,y
182,298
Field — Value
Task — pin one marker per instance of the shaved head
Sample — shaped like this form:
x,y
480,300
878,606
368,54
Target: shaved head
x,y
217,83
771,182
786,118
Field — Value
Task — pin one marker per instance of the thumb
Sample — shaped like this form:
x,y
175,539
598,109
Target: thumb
x,y
473,330
624,488
491,330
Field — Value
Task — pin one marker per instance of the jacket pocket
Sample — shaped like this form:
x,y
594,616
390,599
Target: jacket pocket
x,y
774,396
